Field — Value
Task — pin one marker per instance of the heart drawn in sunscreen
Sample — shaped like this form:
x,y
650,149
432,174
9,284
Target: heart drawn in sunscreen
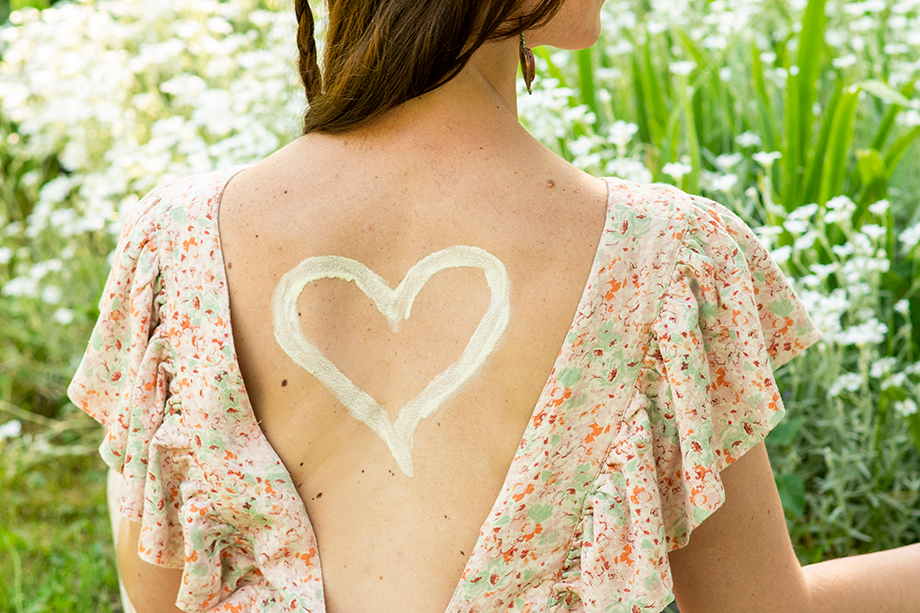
x,y
395,305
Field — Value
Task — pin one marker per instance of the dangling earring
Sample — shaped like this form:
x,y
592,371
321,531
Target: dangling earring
x,y
528,66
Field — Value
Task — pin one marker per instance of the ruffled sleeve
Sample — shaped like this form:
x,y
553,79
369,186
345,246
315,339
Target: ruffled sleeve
x,y
705,395
123,383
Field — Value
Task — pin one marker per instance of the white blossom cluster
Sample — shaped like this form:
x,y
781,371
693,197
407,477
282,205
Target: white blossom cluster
x,y
845,296
127,94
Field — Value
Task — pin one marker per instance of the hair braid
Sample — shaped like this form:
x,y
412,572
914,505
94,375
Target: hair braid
x,y
306,45
381,53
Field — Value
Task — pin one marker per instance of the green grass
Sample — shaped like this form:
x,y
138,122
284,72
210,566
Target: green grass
x,y
55,541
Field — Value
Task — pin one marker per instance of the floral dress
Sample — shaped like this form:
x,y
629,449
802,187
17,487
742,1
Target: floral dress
x,y
665,378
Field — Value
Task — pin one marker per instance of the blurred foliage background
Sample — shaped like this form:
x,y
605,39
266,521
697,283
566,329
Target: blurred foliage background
x,y
801,116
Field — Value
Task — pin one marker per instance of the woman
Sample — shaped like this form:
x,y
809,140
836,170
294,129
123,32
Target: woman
x,y
571,363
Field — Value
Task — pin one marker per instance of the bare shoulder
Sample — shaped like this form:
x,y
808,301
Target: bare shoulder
x,y
151,589
741,558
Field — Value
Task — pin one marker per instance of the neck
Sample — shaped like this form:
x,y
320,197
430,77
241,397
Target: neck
x,y
482,95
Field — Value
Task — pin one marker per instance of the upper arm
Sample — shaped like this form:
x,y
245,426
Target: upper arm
x,y
151,589
740,559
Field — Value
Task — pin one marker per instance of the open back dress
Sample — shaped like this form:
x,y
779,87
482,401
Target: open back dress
x,y
665,377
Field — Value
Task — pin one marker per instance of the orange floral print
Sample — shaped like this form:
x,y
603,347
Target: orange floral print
x,y
666,378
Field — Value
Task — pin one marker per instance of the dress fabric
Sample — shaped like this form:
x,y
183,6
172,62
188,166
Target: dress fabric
x,y
665,378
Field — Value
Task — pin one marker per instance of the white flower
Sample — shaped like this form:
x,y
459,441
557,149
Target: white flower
x,y
795,226
682,68
810,281
52,294
766,234
880,207
843,250
895,380
909,118
621,132
906,407
766,159
873,231
21,287
727,161
10,429
629,169
823,270
909,238
837,216
841,203
850,382
781,254
748,139
63,316
768,231
870,332
902,306
6,254
845,61
881,367
676,170
806,241
724,183
806,211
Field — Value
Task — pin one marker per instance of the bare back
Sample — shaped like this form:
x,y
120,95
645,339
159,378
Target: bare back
x,y
382,535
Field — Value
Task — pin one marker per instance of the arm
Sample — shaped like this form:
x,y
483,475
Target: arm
x,y
152,589
741,560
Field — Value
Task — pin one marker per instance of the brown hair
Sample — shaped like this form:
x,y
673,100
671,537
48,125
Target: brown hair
x,y
381,53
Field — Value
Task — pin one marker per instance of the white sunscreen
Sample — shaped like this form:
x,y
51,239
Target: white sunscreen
x,y
395,305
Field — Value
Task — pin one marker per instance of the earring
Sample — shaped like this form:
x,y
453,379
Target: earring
x,y
528,66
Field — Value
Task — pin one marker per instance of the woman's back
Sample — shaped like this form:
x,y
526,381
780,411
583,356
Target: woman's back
x,y
384,537
669,313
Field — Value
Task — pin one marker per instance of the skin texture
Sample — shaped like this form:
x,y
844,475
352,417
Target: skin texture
x,y
489,184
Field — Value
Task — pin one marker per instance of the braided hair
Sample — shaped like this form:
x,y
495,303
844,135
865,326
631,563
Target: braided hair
x,y
381,53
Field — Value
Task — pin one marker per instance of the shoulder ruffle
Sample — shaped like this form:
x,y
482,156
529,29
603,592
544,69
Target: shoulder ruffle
x,y
705,395
179,463
123,378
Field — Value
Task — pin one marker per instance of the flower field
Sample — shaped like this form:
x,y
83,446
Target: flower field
x,y
801,116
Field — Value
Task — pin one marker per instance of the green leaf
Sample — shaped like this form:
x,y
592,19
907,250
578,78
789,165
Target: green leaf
x,y
767,117
811,42
914,425
784,434
15,5
791,159
887,122
652,86
838,146
643,119
871,166
802,92
818,156
791,490
899,147
586,78
874,176
883,92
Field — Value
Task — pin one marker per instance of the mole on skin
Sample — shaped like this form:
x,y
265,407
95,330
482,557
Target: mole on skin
x,y
395,305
